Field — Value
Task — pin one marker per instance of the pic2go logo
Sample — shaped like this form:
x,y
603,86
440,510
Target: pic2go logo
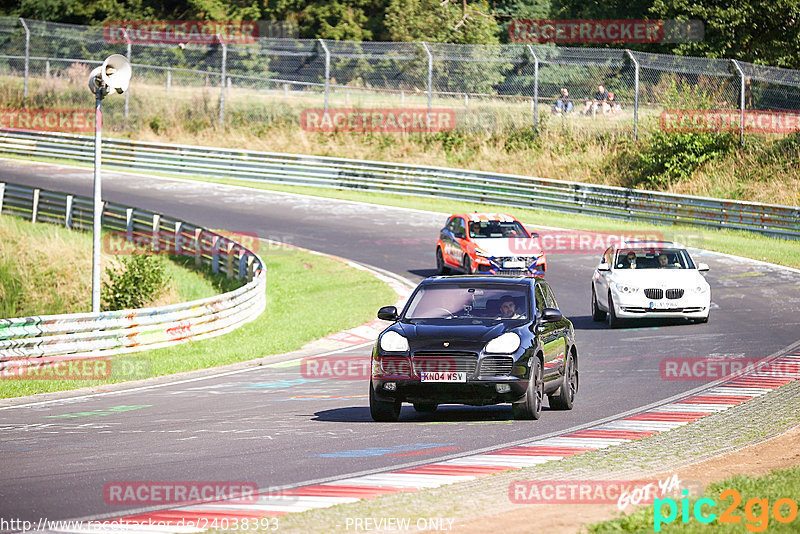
x,y
783,511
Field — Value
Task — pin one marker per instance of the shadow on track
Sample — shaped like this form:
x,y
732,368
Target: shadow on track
x,y
446,414
585,322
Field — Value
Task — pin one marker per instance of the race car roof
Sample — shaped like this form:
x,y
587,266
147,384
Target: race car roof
x,y
478,217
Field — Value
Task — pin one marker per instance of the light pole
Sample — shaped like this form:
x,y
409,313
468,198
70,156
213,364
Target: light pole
x,y
113,75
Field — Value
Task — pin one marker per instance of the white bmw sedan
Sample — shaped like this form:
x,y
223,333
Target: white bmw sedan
x,y
649,280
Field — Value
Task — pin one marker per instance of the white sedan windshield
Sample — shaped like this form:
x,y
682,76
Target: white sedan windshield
x,y
660,258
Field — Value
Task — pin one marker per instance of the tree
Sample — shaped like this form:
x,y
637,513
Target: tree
x,y
443,22
758,31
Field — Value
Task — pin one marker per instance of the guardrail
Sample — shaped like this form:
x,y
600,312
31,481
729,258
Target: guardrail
x,y
415,180
89,335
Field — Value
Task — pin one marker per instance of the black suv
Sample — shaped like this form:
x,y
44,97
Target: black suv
x,y
475,340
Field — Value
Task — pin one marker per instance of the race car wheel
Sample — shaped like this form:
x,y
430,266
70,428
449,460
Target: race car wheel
x,y
613,320
597,313
531,406
425,407
565,396
467,263
441,267
383,411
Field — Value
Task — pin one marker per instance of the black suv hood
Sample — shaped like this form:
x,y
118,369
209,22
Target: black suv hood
x,y
468,337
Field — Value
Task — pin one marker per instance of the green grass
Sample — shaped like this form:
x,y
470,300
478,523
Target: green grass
x,y
753,515
308,297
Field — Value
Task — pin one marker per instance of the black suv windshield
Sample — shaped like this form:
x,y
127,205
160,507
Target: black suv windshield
x,y
482,229
451,301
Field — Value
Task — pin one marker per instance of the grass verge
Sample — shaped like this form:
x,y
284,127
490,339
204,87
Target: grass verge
x,y
44,271
308,297
736,504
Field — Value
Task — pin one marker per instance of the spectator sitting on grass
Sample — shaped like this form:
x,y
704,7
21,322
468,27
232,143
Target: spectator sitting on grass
x,y
613,103
564,102
600,99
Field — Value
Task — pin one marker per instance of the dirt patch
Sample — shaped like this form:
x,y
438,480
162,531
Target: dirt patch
x,y
780,452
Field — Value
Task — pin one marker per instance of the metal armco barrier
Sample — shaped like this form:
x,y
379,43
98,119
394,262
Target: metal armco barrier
x,y
415,180
88,335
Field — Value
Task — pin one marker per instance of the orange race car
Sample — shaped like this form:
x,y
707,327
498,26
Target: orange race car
x,y
489,243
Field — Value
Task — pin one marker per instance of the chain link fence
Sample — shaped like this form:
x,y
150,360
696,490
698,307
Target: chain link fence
x,y
258,85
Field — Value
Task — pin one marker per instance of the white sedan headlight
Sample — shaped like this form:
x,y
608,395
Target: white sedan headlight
x,y
505,344
391,341
625,288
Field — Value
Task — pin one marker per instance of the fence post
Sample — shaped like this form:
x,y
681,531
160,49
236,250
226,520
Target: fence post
x,y
741,100
169,79
178,249
222,81
128,55
68,212
128,224
635,94
229,259
47,69
215,254
430,77
156,239
535,86
197,242
327,71
27,55
35,207
2,194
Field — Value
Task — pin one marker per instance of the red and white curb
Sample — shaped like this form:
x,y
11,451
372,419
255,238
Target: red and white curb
x,y
660,419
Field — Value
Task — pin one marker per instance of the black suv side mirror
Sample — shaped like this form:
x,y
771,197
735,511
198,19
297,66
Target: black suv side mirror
x,y
388,313
551,315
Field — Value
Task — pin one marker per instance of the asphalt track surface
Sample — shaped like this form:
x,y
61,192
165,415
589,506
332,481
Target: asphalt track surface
x,y
273,427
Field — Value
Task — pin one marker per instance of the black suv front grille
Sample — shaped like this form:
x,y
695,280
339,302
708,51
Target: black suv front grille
x,y
496,366
444,361
654,293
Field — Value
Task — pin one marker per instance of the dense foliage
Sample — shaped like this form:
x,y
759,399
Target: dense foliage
x,y
141,280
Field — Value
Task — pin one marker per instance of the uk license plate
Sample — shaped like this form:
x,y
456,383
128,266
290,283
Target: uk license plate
x,y
513,265
443,376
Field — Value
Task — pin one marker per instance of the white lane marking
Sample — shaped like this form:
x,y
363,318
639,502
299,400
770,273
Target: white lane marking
x,y
692,408
501,460
653,426
591,443
741,392
403,480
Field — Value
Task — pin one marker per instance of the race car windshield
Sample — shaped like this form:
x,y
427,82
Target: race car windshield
x,y
482,229
459,302
653,258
